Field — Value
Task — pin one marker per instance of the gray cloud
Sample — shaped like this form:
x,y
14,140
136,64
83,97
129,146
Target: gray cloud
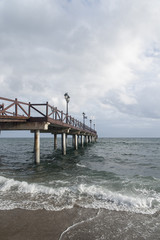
x,y
105,53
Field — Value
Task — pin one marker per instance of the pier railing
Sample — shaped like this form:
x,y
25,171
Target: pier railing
x,y
14,109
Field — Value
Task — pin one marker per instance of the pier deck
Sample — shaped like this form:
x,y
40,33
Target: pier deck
x,y
43,118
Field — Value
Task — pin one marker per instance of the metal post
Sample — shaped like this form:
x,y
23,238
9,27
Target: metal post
x,y
84,117
90,124
64,143
37,146
67,113
67,98
55,141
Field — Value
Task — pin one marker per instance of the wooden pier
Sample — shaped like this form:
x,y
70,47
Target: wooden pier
x,y
43,118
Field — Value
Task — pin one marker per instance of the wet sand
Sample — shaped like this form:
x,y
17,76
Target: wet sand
x,y
77,224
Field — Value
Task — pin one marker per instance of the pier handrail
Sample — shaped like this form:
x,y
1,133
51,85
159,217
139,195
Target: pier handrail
x,y
17,105
14,109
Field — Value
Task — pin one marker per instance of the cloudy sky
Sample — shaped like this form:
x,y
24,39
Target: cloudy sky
x,y
104,53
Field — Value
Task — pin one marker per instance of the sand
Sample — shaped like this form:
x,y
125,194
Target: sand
x,y
21,224
77,224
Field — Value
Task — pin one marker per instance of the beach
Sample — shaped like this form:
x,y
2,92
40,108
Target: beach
x,y
77,224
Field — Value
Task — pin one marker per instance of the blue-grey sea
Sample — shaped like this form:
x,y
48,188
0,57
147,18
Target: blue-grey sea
x,y
116,174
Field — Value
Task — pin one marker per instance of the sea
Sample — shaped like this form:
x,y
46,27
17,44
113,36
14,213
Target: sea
x,y
115,174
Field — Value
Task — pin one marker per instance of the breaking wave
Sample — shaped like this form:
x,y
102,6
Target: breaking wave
x,y
57,196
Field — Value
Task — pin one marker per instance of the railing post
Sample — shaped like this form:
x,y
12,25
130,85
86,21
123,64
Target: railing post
x,y
62,116
29,109
47,110
55,113
2,107
16,109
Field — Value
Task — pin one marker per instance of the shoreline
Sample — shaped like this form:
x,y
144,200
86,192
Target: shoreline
x,y
77,224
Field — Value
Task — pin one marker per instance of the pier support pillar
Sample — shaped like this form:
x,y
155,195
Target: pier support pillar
x,y
75,142
55,141
86,139
64,143
37,146
82,141
66,140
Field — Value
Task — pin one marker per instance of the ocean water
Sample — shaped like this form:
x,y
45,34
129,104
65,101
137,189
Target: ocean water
x,y
115,174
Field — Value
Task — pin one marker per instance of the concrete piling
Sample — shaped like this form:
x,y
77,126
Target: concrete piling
x,y
75,142
37,146
82,141
64,143
55,141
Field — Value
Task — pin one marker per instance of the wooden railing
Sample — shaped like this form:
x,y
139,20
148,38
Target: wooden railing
x,y
11,107
16,109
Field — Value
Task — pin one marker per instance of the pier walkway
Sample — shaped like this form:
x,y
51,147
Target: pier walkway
x,y
43,118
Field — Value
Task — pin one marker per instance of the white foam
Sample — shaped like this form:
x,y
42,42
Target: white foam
x,y
16,194
80,165
118,201
24,187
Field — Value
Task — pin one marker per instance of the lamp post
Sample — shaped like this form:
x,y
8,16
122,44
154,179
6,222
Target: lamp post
x,y
90,123
67,98
94,126
84,117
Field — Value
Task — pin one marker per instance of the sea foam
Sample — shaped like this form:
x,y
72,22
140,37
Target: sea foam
x,y
17,194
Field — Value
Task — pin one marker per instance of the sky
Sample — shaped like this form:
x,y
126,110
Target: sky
x,y
104,53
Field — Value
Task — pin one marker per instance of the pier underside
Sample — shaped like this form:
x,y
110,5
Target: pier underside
x,y
38,126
